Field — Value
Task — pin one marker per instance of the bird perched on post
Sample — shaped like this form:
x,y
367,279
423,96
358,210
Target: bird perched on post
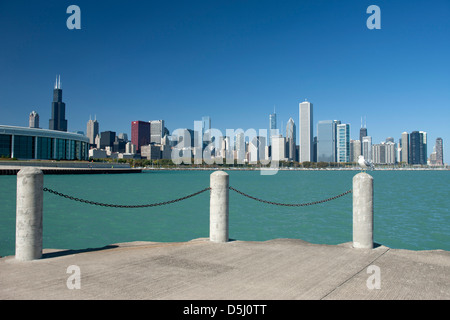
x,y
365,164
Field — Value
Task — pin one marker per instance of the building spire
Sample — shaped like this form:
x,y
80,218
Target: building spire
x,y
58,82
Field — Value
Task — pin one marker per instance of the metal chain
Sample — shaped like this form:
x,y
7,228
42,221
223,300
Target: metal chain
x,y
123,206
291,205
190,196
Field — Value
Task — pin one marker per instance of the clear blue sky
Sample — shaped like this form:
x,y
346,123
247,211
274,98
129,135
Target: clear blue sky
x,y
231,60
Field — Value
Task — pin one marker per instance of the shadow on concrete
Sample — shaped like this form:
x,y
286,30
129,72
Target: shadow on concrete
x,y
62,253
376,245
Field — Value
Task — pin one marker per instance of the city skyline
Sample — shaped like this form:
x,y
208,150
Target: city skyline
x,y
206,59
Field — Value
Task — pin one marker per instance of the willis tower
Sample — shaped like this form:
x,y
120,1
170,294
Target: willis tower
x,y
58,121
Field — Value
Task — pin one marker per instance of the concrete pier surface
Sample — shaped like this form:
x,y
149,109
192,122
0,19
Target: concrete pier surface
x,y
280,269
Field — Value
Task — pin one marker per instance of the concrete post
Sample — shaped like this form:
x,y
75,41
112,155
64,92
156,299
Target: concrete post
x,y
218,209
29,206
363,211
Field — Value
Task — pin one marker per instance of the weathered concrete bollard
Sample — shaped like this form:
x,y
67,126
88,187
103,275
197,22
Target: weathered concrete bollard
x,y
218,208
363,211
29,206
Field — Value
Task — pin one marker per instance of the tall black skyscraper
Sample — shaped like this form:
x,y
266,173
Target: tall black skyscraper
x,y
58,120
362,133
417,147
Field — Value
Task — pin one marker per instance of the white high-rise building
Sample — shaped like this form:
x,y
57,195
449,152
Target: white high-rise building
x,y
240,148
343,142
355,150
256,149
156,131
384,153
272,126
130,148
367,147
306,131
278,148
405,147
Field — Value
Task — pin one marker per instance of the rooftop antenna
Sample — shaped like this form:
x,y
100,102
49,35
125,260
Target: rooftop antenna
x,y
59,82
56,83
361,122
365,122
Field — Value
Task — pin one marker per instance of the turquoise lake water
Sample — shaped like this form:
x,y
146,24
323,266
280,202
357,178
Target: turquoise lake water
x,y
411,208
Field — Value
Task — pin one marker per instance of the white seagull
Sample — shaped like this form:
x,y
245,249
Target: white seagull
x,y
365,164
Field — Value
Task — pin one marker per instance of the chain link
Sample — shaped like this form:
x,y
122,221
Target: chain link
x,y
289,204
123,206
190,196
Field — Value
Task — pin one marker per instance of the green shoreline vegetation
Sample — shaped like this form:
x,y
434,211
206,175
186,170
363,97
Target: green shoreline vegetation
x,y
169,164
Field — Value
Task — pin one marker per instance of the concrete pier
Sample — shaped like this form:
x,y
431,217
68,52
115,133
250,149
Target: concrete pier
x,y
219,206
363,211
29,207
278,269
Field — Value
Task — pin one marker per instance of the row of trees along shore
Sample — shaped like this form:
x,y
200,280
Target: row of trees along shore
x,y
167,163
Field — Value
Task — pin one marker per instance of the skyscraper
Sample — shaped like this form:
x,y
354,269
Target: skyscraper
x,y
206,125
417,147
405,147
256,149
92,130
240,147
272,126
58,120
278,148
424,151
34,120
326,140
291,141
140,134
384,153
107,139
439,152
367,147
306,131
355,150
156,131
362,133
343,142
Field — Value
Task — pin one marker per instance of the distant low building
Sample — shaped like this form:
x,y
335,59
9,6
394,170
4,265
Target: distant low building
x,y
130,148
97,154
384,153
32,143
151,152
